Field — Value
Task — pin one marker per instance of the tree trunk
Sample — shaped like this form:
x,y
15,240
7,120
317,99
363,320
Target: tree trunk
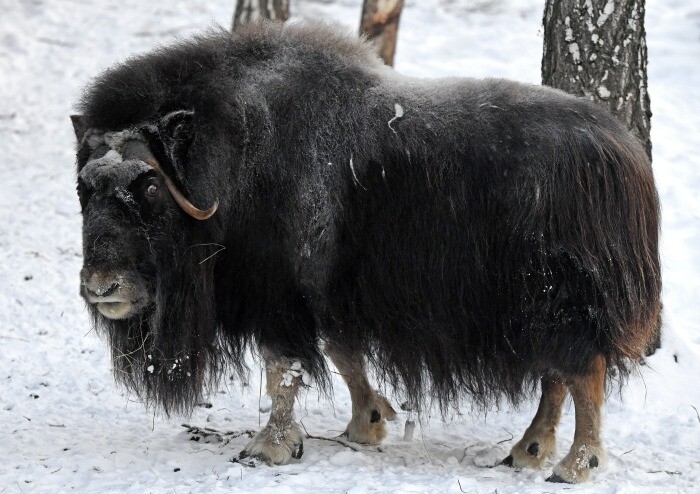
x,y
249,10
597,49
380,23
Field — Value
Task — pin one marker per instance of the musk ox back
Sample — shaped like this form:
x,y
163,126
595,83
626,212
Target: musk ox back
x,y
279,187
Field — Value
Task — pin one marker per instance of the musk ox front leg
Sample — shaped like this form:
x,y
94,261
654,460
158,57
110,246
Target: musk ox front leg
x,y
539,442
370,410
588,392
281,439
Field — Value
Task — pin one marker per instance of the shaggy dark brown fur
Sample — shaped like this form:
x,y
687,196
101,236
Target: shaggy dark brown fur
x,y
466,235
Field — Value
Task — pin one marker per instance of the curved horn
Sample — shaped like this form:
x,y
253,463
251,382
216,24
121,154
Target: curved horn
x,y
181,200
186,205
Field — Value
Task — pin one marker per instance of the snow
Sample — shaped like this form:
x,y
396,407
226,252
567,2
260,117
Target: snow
x,y
607,10
569,32
295,370
67,427
575,53
399,114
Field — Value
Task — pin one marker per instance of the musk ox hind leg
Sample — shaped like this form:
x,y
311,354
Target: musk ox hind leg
x,y
539,442
281,439
588,393
370,410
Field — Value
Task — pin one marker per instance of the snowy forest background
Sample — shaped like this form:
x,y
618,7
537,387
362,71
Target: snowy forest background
x,y
65,426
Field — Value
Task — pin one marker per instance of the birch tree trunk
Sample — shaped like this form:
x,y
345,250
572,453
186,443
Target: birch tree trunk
x,y
597,49
249,10
380,22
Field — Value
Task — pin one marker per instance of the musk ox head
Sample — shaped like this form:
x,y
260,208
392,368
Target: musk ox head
x,y
126,198
142,286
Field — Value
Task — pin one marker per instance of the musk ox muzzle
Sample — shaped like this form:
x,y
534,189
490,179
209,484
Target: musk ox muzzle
x,y
116,294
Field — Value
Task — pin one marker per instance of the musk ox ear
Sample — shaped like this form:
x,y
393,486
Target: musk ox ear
x,y
176,133
80,126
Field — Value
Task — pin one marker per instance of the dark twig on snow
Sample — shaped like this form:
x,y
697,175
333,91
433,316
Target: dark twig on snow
x,y
696,412
460,486
245,463
506,440
56,42
203,449
220,437
669,472
339,440
623,454
13,338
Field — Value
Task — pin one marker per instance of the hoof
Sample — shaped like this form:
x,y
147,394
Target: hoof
x,y
275,447
556,478
533,450
575,467
245,459
368,426
508,461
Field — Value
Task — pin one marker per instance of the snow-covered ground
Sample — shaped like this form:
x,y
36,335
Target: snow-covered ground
x,y
64,425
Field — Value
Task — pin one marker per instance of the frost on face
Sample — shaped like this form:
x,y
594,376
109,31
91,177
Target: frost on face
x,y
125,196
112,169
295,370
116,140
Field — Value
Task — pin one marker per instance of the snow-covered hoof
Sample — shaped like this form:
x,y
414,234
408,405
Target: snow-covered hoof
x,y
556,479
531,451
576,466
274,446
368,425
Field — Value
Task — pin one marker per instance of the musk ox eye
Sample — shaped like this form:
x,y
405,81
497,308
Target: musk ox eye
x,y
152,190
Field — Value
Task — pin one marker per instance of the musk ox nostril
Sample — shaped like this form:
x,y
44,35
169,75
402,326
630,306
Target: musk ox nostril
x,y
110,290
102,290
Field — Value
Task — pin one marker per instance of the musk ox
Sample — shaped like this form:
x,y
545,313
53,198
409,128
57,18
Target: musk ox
x,y
280,188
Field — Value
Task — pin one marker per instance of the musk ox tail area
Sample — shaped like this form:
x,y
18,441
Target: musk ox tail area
x,y
467,236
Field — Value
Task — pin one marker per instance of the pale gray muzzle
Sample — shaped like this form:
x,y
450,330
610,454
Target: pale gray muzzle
x,y
115,295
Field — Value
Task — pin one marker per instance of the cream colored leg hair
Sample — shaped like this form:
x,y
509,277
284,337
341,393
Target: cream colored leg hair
x,y
281,439
586,452
370,410
539,441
